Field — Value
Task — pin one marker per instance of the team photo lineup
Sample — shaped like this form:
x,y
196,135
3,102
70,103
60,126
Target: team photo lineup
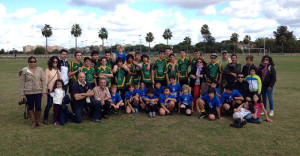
x,y
113,83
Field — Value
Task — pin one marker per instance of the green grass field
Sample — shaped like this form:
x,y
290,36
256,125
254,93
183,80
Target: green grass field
x,y
136,134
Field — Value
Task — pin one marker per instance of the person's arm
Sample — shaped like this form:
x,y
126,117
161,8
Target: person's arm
x,y
273,78
164,107
44,85
259,84
152,76
22,85
74,72
47,78
239,108
149,65
115,68
239,98
80,96
219,112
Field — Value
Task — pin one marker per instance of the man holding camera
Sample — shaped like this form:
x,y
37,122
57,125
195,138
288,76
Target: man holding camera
x,y
231,70
83,97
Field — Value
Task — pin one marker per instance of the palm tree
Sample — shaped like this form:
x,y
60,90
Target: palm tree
x,y
247,40
76,32
234,38
149,38
167,35
103,34
47,32
187,41
282,40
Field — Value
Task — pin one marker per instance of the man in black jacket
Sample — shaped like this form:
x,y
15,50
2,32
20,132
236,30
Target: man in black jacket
x,y
241,85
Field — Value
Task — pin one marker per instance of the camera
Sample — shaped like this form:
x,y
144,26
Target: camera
x,y
23,101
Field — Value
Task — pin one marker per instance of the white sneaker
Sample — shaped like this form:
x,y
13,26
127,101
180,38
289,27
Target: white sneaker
x,y
262,113
271,113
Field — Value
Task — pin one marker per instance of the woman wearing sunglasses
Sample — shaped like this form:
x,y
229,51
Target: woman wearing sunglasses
x,y
267,74
52,74
33,86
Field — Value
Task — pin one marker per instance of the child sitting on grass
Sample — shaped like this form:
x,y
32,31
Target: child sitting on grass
x,y
116,100
132,100
258,107
167,102
151,101
240,112
185,105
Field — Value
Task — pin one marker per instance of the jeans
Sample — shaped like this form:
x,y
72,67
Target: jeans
x,y
265,92
249,118
94,106
34,100
48,106
105,108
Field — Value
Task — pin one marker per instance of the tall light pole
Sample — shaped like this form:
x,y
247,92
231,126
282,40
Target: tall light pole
x,y
133,46
140,43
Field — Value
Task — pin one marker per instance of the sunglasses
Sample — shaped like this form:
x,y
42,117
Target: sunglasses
x,y
213,58
266,59
55,61
32,61
199,61
240,77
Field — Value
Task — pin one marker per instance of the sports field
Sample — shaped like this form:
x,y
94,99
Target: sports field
x,y
136,134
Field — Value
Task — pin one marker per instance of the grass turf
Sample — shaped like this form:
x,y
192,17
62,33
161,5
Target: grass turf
x,y
136,134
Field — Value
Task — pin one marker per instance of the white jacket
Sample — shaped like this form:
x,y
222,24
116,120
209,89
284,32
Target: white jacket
x,y
58,95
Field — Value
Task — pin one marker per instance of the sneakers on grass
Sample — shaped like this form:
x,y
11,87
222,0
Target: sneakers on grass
x,y
203,115
271,113
56,123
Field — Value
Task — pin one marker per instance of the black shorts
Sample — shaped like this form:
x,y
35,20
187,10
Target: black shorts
x,y
210,110
183,82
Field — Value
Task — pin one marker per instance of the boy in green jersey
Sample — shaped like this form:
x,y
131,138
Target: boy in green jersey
x,y
146,71
120,77
131,72
182,68
214,69
104,72
197,55
138,66
73,69
109,62
172,68
95,56
89,72
159,69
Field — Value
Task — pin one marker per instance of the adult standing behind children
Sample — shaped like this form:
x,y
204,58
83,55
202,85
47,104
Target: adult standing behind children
x,y
267,73
64,68
33,86
223,62
231,70
52,73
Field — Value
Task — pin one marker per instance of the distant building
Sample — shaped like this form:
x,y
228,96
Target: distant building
x,y
29,48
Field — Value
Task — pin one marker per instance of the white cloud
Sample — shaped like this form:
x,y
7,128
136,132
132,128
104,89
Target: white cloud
x,y
191,4
103,4
22,13
210,10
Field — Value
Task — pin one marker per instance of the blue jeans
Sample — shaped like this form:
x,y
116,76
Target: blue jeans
x,y
265,92
48,106
34,100
94,106
249,118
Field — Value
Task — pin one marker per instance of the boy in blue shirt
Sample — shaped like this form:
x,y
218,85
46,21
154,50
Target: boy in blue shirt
x,y
158,89
175,87
211,104
213,84
142,93
116,101
167,102
151,101
230,98
132,100
186,100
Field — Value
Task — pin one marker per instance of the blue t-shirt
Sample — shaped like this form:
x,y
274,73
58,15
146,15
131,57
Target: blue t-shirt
x,y
116,98
162,98
128,95
217,90
123,55
226,97
143,93
159,91
149,97
175,90
215,102
186,99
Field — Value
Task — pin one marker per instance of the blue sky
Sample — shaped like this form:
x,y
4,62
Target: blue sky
x,y
125,20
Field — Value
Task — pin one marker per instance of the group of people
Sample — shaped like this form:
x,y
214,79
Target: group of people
x,y
99,86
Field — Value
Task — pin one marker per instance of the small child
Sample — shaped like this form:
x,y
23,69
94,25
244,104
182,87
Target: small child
x,y
186,99
158,89
239,114
175,87
132,100
167,102
255,117
116,100
213,84
58,95
254,82
151,101
142,94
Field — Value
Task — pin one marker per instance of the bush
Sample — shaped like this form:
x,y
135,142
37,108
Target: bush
x,y
39,50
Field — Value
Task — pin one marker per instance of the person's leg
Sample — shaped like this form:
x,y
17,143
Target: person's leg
x,y
95,106
78,113
47,108
264,96
30,101
105,108
162,112
196,93
55,113
226,106
270,97
37,113
252,120
211,117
